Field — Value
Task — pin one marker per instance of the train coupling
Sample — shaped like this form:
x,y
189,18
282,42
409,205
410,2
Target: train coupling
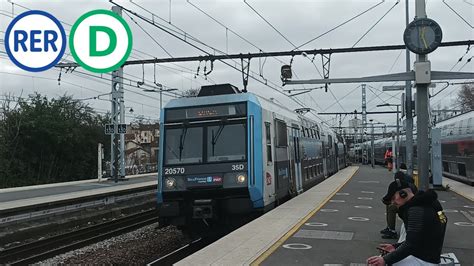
x,y
202,209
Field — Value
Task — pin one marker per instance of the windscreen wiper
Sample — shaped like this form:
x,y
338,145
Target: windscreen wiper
x,y
181,141
216,137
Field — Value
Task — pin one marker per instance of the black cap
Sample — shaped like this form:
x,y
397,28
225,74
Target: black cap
x,y
395,186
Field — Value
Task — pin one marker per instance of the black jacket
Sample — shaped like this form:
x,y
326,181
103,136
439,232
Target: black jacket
x,y
425,226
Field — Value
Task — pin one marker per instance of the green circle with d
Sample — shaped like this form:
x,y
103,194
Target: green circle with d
x,y
100,41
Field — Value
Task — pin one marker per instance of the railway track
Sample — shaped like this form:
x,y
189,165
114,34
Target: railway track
x,y
59,244
193,246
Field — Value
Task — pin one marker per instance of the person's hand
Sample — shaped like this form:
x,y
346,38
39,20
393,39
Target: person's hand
x,y
387,247
376,261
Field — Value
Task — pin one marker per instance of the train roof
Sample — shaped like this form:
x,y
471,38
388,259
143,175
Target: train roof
x,y
226,93
455,119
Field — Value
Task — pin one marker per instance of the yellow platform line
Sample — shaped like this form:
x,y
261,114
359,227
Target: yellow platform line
x,y
296,227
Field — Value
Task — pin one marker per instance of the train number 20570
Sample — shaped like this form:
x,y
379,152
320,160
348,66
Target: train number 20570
x,y
174,171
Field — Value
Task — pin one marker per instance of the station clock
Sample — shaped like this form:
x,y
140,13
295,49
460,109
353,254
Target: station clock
x,y
422,36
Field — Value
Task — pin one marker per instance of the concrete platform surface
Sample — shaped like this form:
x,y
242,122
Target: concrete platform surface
x,y
247,243
335,223
34,195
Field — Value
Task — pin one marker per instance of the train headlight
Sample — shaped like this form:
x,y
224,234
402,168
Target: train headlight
x,y
241,178
170,182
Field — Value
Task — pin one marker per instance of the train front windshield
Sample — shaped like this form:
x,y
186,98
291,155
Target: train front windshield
x,y
212,143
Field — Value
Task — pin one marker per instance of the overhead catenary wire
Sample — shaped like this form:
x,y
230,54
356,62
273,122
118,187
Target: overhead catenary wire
x,y
270,24
459,15
188,36
149,35
396,3
95,76
247,41
70,25
338,26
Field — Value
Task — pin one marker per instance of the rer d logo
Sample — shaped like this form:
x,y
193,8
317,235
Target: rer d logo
x,y
100,41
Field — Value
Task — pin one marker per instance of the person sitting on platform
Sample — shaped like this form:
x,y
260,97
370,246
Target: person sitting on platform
x,y
391,209
425,226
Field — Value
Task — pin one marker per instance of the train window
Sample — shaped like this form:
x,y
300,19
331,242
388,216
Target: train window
x,y
462,169
281,134
470,126
183,145
226,142
302,130
269,141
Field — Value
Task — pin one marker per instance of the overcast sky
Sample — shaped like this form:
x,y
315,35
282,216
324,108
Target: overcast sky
x,y
298,21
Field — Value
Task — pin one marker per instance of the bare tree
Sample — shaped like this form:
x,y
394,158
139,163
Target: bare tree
x,y
466,97
191,93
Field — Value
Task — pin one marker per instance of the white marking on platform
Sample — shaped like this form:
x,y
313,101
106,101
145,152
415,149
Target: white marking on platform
x,y
365,198
362,207
328,210
376,182
342,194
468,216
368,192
333,264
442,201
449,259
360,219
316,224
449,210
464,224
468,206
297,246
337,200
321,234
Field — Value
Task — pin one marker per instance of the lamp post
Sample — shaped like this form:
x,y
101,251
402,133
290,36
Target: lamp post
x,y
397,148
372,153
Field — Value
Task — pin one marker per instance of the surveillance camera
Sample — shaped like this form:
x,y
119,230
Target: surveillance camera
x,y
304,54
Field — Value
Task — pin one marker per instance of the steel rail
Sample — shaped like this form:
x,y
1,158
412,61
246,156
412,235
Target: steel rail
x,y
49,247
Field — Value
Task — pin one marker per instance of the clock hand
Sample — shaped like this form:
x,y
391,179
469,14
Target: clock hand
x,y
423,37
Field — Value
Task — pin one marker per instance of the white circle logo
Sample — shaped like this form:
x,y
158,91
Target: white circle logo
x,y
35,41
100,41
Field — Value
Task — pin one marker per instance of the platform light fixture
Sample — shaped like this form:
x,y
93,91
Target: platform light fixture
x,y
286,72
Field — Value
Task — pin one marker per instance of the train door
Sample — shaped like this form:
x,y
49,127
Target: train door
x,y
292,162
325,160
282,170
296,150
269,177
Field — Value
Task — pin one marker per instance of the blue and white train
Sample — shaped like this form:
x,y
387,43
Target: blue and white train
x,y
225,156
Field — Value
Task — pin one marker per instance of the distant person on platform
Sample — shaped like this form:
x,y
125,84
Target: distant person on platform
x,y
425,225
388,159
391,209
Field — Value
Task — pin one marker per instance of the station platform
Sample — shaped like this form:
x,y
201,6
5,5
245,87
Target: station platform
x,y
336,222
24,197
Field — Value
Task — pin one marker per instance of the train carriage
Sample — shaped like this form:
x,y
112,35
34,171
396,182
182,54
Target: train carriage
x,y
226,155
457,148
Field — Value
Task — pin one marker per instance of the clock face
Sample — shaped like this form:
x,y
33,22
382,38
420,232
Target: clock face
x,y
422,36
